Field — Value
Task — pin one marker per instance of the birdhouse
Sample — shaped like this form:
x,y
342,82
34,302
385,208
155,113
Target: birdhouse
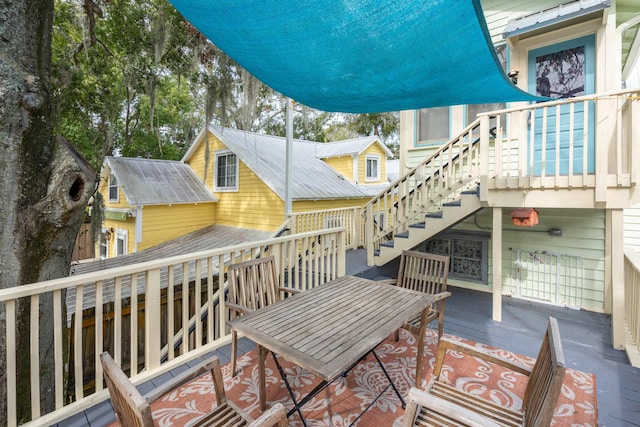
x,y
525,217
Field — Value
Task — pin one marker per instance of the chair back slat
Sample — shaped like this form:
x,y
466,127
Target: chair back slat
x,y
545,383
253,284
423,272
131,408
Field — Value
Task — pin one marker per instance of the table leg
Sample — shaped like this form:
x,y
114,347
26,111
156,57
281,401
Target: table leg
x,y
420,344
262,357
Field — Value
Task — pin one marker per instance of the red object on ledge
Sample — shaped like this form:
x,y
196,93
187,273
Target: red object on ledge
x,y
525,217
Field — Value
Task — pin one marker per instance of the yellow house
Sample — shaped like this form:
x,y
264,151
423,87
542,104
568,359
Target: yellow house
x,y
232,178
148,202
246,172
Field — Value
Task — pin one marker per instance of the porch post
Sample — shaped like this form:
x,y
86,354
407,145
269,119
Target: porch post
x,y
288,176
496,240
616,251
152,319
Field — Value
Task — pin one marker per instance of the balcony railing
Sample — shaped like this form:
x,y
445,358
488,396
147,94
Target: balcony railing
x,y
350,218
632,304
151,316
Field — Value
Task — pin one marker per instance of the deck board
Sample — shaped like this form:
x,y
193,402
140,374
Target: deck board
x,y
586,339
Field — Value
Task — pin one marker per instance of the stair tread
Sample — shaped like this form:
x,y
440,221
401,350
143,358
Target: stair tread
x,y
453,203
434,215
418,225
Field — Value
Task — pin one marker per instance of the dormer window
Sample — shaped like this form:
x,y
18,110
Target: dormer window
x,y
373,168
113,188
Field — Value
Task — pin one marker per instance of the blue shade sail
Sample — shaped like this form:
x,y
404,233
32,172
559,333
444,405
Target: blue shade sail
x,y
360,56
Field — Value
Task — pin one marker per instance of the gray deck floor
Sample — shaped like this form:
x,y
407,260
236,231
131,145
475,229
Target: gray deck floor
x,y
586,339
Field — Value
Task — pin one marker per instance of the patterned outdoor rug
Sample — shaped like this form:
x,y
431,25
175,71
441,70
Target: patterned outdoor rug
x,y
340,403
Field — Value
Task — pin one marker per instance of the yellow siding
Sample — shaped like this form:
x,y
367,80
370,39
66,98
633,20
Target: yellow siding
x,y
342,164
203,158
166,222
127,225
103,189
375,150
254,205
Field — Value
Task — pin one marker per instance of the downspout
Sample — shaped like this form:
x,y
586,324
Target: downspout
x,y
138,229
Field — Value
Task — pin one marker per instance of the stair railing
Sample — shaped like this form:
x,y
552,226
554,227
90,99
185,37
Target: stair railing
x,y
453,168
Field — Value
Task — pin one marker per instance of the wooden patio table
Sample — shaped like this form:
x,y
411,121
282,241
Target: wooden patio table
x,y
327,330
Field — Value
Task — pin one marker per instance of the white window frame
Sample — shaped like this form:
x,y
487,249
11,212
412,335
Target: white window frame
x,y
124,236
442,130
217,187
111,185
375,158
103,243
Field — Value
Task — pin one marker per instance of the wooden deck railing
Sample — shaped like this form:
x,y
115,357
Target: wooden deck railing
x,y
350,218
581,159
632,304
151,290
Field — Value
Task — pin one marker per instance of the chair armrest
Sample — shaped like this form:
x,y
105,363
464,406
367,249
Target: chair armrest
x,y
238,308
444,408
289,290
388,281
441,296
481,353
275,416
182,378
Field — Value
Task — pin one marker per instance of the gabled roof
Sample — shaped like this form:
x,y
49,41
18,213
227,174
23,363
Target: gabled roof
x,y
158,182
559,14
265,155
349,146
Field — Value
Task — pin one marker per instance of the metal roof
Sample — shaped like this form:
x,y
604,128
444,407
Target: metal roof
x,y
265,155
349,147
158,182
210,237
553,15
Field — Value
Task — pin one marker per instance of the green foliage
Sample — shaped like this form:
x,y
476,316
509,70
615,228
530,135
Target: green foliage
x,y
132,77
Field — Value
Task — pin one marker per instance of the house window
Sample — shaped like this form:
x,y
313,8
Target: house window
x,y
104,243
373,170
433,124
468,252
226,171
113,188
474,110
121,242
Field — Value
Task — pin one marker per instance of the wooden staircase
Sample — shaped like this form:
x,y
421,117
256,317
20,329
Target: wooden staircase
x,y
451,214
430,198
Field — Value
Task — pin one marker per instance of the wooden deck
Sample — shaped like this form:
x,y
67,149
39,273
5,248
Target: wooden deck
x,y
586,339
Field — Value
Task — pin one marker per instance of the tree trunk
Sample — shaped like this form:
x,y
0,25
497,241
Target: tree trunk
x,y
44,192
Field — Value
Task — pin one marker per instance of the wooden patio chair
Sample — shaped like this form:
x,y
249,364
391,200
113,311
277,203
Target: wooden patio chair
x,y
133,410
443,404
424,273
251,286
